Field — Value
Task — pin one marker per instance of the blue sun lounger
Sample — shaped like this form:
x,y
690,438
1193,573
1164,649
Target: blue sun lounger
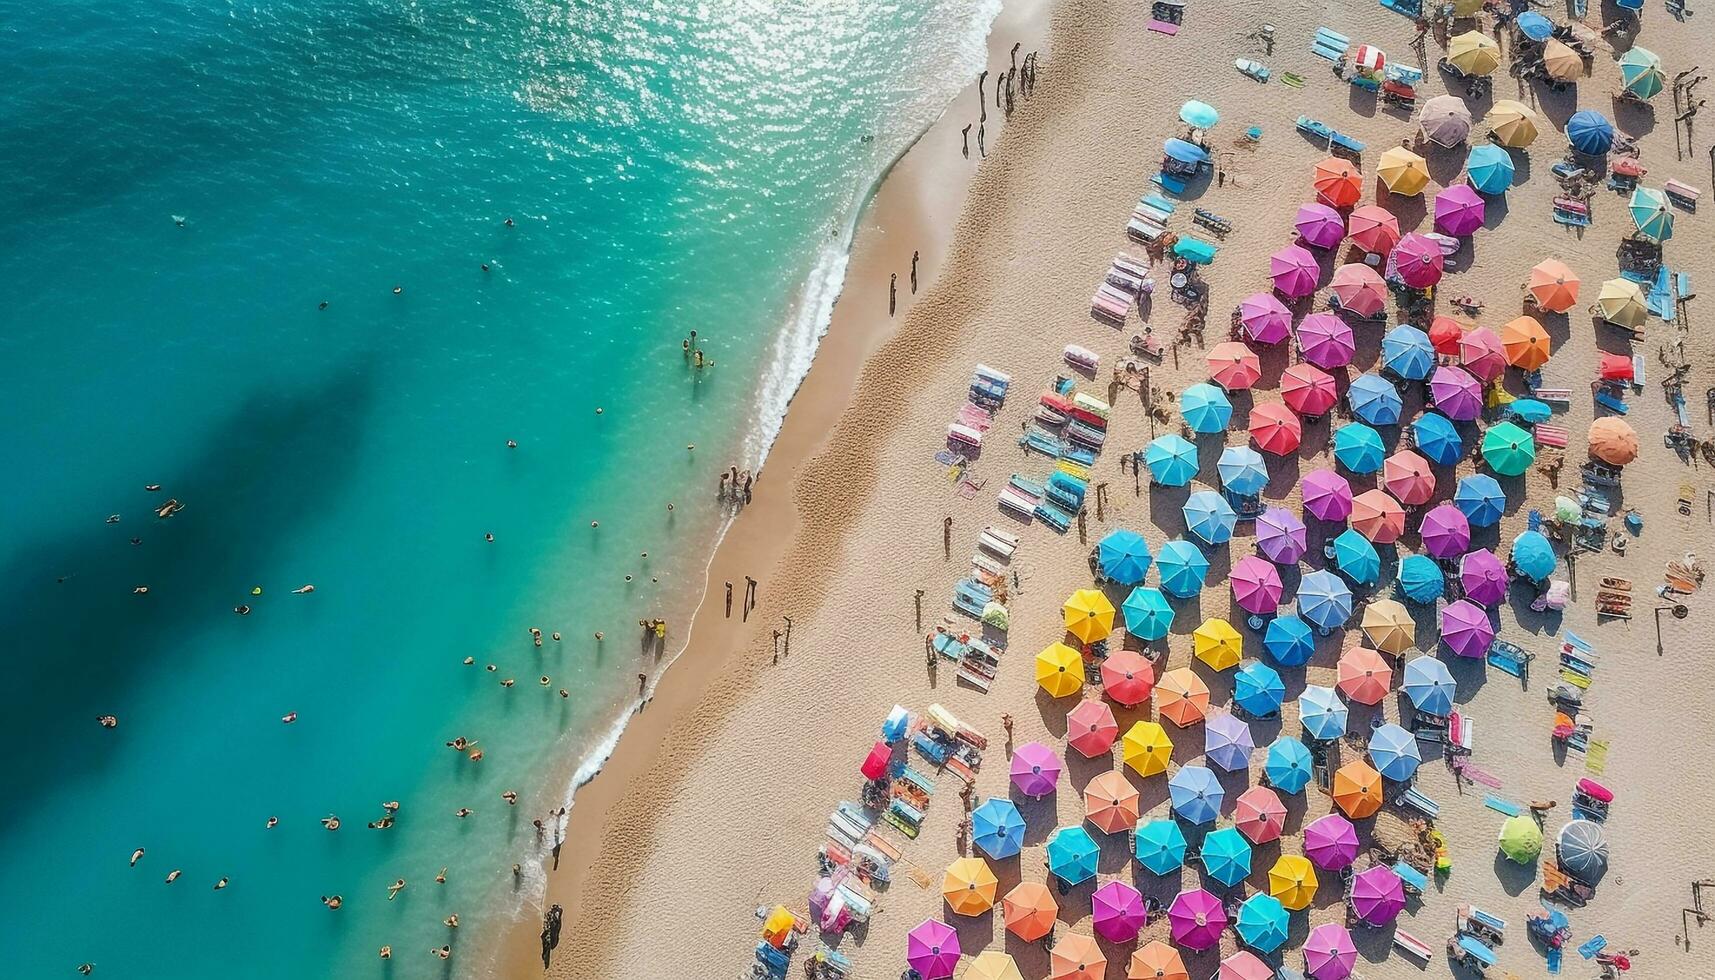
x,y
1330,45
774,962
1042,441
970,596
930,749
1415,799
1053,516
1609,401
1416,882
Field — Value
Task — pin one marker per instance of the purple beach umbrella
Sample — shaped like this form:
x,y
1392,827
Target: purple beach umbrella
x,y
1456,392
1035,769
1483,577
1329,953
1377,895
1466,630
1331,842
1227,742
1256,585
1281,536
1265,319
1320,225
1118,911
1294,271
1327,495
1445,531
1197,919
932,949
1459,210
1326,341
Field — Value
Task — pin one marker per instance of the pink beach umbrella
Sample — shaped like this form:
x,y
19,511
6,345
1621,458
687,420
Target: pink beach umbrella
x,y
1118,911
1308,390
1407,476
1035,769
1374,229
1319,225
1091,728
1244,965
1327,495
1360,289
1256,585
1483,577
1294,271
1196,919
1482,354
1331,842
1326,341
1275,429
932,949
1466,630
1377,895
1445,531
1329,953
1259,814
1458,210
1456,392
1378,517
1281,536
1419,260
1127,678
1266,319
1233,366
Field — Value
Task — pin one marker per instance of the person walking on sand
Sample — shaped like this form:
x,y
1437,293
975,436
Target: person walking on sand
x,y
965,134
729,600
748,480
642,682
915,255
947,537
749,593
721,493
892,293
982,103
982,151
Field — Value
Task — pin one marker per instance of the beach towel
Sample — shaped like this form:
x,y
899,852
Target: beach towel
x,y
1500,805
1591,947
1163,27
1596,757
1660,299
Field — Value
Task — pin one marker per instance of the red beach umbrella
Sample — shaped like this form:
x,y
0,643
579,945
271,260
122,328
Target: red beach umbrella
x,y
1419,260
1308,390
1127,678
1482,354
1407,476
1091,728
1374,229
1275,429
875,764
1338,183
1445,333
1378,516
1234,366
1360,289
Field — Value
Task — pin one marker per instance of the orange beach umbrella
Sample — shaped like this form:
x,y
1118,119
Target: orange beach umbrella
x,y
1111,802
1030,910
1338,183
1377,516
1358,790
1553,286
1157,961
969,886
1233,366
1077,958
1181,697
1364,676
1525,343
1613,441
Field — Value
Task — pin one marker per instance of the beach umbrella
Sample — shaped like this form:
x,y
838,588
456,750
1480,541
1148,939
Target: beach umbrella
x,y
1261,923
1533,411
1436,438
1421,579
1157,961
1323,600
1072,855
1474,53
1331,842
1583,850
1327,494
1407,477
1445,333
1337,182
1266,319
1407,353
1490,169
1512,123
1459,210
1368,59
1060,670
1258,689
1534,26
1259,814
993,964
1329,953
1182,567
1244,965
1374,229
1651,216
1118,914
1567,509
1393,751
1322,713
1388,626
1181,697
1242,470
1429,685
1640,73
1160,846
1614,367
1035,769
1172,460
1293,881
997,827
1199,115
1481,498
1287,765
1418,260
1445,121
1127,677
1123,555
1402,172
1508,449
1196,794
1319,225
1110,802
1209,516
1147,614
1378,516
1360,289
1374,399
1561,62
1483,578
1590,132
1364,676
1206,408
1091,729
1089,615
1256,585
1482,353
932,949
1289,641
1294,272
1377,895
1196,919
1233,366
1521,839
1077,958
1307,390
1622,303
1533,556
1227,742
1326,341
1359,447
1445,533
1613,441
1456,393
1466,630
1281,536
1217,644
1146,748
1357,790
1553,286
1030,910
1356,557
969,886
1226,856
875,764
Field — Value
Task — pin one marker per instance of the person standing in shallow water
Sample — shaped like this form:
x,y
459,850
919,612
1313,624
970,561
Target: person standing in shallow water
x,y
966,134
892,293
915,255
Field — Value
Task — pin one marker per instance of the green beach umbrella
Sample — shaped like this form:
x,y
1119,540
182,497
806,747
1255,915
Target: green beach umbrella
x,y
1521,839
1651,215
1640,73
1508,449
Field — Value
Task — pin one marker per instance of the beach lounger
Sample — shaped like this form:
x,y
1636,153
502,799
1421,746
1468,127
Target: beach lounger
x,y
1252,69
1502,806
1073,468
1510,658
774,962
971,597
1144,231
1553,395
1053,516
1551,435
1080,431
998,542
1415,881
1486,924
930,748
1212,221
923,783
1412,945
1077,454
1415,799
1608,400
1476,951
1169,182
1329,44
1682,194
1018,502
1637,372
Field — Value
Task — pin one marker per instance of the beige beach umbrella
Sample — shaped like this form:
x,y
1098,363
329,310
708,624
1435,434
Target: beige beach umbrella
x,y
1512,124
1402,171
1389,626
1621,302
1474,53
1445,121
1561,62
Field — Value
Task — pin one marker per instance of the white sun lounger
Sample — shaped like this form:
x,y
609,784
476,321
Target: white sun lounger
x,y
998,542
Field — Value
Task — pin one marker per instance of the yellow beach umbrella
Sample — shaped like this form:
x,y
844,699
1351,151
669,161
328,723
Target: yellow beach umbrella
x,y
1389,626
777,928
1474,53
1512,123
1561,62
1217,644
1621,302
1146,748
1060,670
969,886
1403,172
993,965
1293,881
1089,615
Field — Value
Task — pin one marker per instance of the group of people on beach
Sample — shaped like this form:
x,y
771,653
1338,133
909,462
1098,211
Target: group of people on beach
x,y
735,486
1025,78
693,353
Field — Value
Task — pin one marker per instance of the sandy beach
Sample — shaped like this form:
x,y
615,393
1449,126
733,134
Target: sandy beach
x,y
716,799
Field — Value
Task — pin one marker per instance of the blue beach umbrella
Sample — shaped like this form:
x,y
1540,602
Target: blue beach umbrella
x,y
1481,499
1147,614
1356,557
1322,713
1262,923
1206,408
1196,794
1534,26
1323,600
1242,470
1393,751
997,828
1160,846
1530,410
1436,438
1183,568
1209,516
1171,459
1123,556
1184,151
1533,556
1358,447
1258,689
1289,641
1072,855
1407,353
1202,115
1421,579
1227,856
1490,169
1288,765
1227,742
1429,685
1374,399
1590,132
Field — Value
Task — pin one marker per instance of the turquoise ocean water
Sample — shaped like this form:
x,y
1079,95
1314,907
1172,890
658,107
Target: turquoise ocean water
x,y
667,166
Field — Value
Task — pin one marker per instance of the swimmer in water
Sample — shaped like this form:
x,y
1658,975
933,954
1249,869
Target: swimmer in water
x,y
398,289
113,518
508,222
386,952
485,267
241,610
108,721
272,823
303,590
565,693
331,822
451,921
511,445
546,680
441,877
391,806
511,797
86,969
140,590
288,717
444,952
462,812
394,889
136,856
460,743
173,875
322,305
220,884
333,901
489,538
508,682
556,636
476,756
153,488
